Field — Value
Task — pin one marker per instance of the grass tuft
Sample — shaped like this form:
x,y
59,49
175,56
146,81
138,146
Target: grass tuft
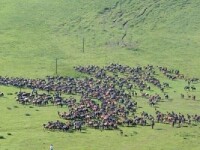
x,y
2,137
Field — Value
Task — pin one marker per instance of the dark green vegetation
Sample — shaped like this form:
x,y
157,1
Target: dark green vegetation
x,y
33,33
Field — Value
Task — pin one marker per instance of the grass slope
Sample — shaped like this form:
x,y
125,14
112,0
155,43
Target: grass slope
x,y
33,33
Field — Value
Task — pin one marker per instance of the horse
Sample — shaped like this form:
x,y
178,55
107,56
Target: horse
x,y
65,128
166,96
193,88
121,132
187,88
78,125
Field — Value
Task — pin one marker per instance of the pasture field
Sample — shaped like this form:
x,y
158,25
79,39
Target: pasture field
x,y
33,33
27,131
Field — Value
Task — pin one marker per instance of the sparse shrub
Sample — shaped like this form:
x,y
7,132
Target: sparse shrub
x,y
2,137
9,108
9,134
27,114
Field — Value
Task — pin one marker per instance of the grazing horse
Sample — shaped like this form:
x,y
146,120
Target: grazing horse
x,y
187,88
194,97
166,96
78,125
193,88
189,96
168,119
65,128
152,123
121,132
182,96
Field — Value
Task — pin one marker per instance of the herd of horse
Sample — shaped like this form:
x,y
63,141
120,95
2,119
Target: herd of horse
x,y
107,96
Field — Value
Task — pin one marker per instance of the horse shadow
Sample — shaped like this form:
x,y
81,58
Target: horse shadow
x,y
159,129
84,132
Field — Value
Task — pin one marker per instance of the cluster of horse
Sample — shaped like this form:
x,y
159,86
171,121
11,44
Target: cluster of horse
x,y
61,126
44,99
193,88
107,95
193,97
35,99
140,78
171,73
176,118
105,115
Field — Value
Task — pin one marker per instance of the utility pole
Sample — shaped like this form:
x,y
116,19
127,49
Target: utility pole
x,y
56,66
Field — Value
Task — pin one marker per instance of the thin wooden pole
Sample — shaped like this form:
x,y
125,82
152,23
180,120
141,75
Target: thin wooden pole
x,y
56,66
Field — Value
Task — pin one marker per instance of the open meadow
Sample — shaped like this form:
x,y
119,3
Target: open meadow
x,y
34,33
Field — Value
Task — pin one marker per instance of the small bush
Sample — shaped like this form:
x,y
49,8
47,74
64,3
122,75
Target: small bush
x,y
9,134
9,108
2,137
27,115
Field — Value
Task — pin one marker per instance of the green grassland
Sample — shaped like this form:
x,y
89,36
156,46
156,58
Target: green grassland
x,y
33,33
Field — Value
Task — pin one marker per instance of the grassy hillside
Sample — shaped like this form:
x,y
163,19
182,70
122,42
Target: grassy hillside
x,y
33,33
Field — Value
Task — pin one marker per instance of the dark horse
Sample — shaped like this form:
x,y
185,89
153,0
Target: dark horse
x,y
78,125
